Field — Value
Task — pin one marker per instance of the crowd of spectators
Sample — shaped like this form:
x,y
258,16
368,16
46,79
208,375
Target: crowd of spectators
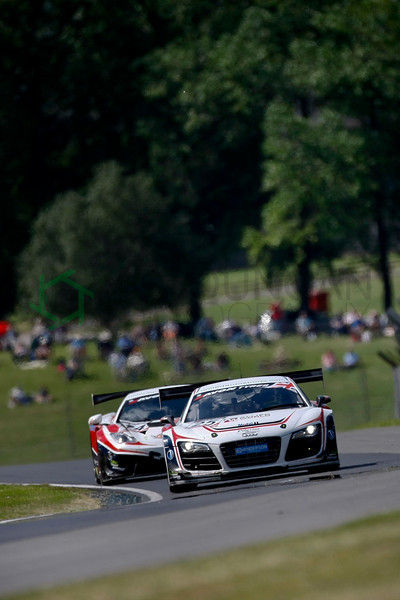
x,y
125,352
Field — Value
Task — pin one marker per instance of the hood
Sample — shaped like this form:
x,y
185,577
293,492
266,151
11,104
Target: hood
x,y
290,418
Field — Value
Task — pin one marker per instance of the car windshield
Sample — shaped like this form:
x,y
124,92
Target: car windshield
x,y
149,409
243,399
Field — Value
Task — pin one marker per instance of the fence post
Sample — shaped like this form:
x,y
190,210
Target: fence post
x,y
396,374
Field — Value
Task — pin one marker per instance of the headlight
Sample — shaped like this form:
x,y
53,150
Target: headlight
x,y
191,447
307,432
123,438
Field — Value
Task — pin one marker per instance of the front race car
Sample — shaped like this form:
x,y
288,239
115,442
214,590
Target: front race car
x,y
247,427
128,443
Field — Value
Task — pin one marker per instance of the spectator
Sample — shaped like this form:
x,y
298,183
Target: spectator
x,y
204,330
350,359
373,322
329,361
125,344
178,357
170,330
18,397
76,365
104,345
117,362
196,357
338,325
20,351
276,312
40,348
61,365
223,361
136,364
305,326
43,396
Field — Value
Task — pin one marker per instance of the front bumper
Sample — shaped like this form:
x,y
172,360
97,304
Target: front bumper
x,y
125,465
249,458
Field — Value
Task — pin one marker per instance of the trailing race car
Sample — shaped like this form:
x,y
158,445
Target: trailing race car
x,y
128,443
247,427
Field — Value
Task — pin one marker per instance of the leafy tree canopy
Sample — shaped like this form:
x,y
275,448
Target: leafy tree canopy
x,y
122,241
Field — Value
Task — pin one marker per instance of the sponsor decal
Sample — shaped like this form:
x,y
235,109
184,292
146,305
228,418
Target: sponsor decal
x,y
141,398
277,384
331,434
214,435
251,449
170,454
287,386
283,426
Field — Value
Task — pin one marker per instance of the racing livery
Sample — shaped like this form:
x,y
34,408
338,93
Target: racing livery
x,y
250,426
128,443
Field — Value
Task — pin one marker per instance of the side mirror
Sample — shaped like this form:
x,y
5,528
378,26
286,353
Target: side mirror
x,y
323,400
95,420
167,420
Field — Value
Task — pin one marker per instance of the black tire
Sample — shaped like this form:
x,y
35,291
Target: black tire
x,y
99,473
96,468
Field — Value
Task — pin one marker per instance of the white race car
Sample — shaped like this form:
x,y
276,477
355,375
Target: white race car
x,y
247,427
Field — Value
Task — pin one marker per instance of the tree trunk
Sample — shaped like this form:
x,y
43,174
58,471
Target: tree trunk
x,y
195,308
304,281
383,251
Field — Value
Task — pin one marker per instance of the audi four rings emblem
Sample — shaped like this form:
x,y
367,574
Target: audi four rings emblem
x,y
250,433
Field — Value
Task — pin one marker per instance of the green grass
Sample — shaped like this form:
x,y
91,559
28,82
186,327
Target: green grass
x,y
17,501
359,561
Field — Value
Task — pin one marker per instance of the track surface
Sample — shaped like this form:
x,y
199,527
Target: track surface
x,y
164,527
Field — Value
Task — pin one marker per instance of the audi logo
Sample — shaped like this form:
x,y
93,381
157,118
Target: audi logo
x,y
250,433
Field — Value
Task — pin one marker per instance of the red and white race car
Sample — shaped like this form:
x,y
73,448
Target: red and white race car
x,y
128,443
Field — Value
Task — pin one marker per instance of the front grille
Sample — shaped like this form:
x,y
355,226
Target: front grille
x,y
252,452
200,461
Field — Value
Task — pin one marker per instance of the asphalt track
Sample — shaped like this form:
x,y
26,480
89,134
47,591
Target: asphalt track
x,y
57,549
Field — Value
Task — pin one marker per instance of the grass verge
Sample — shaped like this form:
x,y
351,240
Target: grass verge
x,y
18,501
358,561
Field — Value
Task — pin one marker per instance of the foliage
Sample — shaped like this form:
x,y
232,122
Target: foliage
x,y
314,172
120,238
225,109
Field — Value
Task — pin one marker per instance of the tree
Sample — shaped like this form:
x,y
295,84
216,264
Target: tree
x,y
313,173
69,100
354,53
332,145
207,92
121,240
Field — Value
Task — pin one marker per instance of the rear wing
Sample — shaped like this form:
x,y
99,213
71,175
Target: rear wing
x,y
305,376
98,398
172,392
